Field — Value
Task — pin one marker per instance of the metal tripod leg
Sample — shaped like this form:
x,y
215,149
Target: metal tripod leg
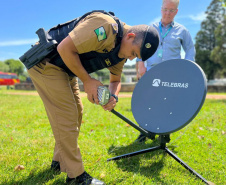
x,y
135,153
130,122
185,165
163,140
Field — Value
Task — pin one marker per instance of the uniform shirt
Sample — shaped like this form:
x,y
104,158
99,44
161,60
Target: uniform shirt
x,y
97,32
170,46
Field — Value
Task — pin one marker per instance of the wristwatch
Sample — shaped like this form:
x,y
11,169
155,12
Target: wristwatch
x,y
116,97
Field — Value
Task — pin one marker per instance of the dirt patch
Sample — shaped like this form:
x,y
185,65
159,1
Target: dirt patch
x,y
215,96
209,96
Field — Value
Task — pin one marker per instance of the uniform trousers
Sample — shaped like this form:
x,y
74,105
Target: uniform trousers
x,y
60,95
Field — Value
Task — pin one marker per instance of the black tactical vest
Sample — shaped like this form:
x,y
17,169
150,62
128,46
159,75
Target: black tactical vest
x,y
91,61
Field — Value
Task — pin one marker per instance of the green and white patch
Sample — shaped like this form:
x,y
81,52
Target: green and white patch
x,y
101,34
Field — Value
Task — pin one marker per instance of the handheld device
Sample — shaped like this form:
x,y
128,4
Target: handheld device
x,y
103,95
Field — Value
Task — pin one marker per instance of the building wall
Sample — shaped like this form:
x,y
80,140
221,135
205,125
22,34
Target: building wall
x,y
130,75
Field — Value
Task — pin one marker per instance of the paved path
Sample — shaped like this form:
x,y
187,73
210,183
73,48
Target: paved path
x,y
122,95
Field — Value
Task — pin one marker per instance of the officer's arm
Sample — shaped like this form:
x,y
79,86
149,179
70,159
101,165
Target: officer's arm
x,y
69,54
115,84
141,68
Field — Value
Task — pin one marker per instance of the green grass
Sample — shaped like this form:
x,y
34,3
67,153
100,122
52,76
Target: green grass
x,y
215,93
26,139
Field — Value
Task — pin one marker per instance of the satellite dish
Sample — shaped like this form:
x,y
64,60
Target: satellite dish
x,y
166,99
169,96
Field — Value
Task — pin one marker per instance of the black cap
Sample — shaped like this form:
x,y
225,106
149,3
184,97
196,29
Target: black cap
x,y
150,43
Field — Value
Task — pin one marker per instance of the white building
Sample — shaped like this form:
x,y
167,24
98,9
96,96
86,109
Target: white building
x,y
130,75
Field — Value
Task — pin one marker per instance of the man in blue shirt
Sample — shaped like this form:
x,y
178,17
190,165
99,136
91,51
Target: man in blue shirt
x,y
173,36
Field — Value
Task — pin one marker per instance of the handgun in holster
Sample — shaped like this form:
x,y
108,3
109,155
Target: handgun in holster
x,y
45,48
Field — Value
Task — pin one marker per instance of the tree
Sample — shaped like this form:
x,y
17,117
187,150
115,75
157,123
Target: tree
x,y
205,38
123,78
15,66
4,67
218,54
102,75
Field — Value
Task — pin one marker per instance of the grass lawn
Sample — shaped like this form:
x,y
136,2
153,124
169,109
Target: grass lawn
x,y
26,139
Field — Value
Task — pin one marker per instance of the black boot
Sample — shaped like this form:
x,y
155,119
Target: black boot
x,y
55,166
84,179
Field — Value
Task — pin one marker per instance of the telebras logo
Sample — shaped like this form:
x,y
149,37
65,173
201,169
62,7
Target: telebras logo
x,y
157,83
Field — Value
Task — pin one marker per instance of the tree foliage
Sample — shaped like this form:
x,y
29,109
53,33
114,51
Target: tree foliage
x,y
206,39
4,67
15,66
102,75
218,54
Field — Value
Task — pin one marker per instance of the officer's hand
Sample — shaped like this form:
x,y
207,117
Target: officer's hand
x,y
90,87
110,105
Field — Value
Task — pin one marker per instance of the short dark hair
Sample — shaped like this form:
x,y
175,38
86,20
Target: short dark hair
x,y
140,31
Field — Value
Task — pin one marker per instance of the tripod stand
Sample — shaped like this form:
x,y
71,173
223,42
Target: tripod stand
x,y
163,140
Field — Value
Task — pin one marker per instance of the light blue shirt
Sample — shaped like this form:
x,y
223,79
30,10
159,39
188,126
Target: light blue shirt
x,y
170,45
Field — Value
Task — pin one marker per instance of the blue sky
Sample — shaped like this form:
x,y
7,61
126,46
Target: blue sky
x,y
19,19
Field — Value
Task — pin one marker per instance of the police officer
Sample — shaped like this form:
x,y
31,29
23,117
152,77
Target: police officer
x,y
95,36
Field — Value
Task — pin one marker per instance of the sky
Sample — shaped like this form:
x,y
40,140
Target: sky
x,y
20,19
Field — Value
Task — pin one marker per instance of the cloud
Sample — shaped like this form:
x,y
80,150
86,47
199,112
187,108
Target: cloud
x,y
4,55
18,42
199,17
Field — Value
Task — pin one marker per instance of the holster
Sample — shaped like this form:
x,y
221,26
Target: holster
x,y
44,49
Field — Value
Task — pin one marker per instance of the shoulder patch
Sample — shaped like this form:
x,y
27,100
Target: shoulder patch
x,y
114,28
101,34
